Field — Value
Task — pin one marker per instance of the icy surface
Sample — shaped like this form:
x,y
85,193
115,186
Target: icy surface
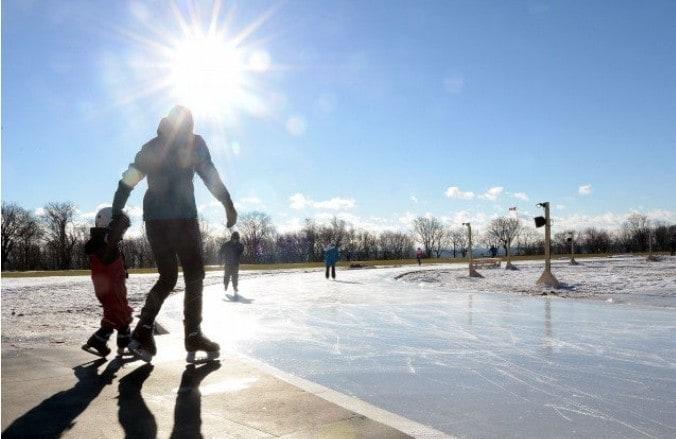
x,y
472,364
475,358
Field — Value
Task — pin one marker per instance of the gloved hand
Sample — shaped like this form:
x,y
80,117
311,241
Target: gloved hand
x,y
116,229
231,215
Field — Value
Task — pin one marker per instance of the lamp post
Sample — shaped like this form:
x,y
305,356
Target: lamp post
x,y
472,271
571,238
547,279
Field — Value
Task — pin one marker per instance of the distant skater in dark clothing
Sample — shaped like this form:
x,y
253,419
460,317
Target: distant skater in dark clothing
x,y
331,256
230,254
109,275
170,161
419,255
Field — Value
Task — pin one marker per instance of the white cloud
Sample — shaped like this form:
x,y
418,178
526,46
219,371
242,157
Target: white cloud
x,y
407,219
414,198
212,205
559,207
300,201
521,196
335,203
296,125
454,84
493,193
585,189
455,192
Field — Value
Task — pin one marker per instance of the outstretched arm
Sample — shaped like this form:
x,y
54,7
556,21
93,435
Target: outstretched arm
x,y
207,171
130,178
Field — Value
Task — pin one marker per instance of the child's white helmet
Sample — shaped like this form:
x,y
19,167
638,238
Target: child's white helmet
x,y
104,217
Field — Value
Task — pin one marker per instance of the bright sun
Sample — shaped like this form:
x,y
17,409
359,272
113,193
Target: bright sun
x,y
207,74
207,69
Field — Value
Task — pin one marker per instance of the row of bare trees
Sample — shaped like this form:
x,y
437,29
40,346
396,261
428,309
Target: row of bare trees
x,y
513,236
54,240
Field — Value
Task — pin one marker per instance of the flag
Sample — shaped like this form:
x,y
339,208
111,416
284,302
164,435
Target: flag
x,y
512,208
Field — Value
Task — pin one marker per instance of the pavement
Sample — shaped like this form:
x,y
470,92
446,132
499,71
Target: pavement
x,y
61,391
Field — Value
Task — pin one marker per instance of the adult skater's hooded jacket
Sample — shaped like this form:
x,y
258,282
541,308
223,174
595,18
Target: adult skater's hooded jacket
x,y
331,255
170,161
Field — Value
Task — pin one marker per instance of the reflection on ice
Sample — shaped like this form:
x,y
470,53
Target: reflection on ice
x,y
471,364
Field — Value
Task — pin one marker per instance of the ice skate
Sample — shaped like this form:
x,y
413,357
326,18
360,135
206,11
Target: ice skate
x,y
195,341
123,339
142,342
97,344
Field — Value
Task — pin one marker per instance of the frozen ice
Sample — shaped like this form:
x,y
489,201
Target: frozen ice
x,y
472,357
466,362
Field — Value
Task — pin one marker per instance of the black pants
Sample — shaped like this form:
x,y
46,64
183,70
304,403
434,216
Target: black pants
x,y
173,241
228,274
333,271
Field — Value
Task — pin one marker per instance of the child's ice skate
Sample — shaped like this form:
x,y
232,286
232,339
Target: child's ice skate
x,y
196,341
142,342
123,340
98,343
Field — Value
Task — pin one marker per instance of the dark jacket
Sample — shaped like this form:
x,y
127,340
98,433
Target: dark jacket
x,y
170,162
230,253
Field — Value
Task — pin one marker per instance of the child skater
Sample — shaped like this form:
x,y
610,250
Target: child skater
x,y
109,275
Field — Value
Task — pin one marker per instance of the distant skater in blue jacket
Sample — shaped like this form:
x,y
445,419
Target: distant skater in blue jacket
x,y
331,256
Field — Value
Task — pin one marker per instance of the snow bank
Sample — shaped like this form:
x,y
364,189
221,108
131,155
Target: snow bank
x,y
625,280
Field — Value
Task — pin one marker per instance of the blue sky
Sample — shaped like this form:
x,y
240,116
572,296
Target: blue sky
x,y
375,111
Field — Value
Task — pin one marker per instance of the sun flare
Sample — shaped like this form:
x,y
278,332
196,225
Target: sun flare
x,y
206,74
205,66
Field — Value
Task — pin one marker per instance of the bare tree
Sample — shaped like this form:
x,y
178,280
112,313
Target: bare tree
x,y
504,230
366,245
18,226
257,233
61,237
427,231
457,237
395,245
528,240
636,232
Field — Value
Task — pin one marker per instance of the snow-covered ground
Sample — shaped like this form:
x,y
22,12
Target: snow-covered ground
x,y
51,308
631,280
474,358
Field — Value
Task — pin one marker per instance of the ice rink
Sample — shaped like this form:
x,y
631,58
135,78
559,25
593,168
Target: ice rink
x,y
469,363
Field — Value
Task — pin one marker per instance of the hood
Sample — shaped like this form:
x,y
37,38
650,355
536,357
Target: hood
x,y
177,125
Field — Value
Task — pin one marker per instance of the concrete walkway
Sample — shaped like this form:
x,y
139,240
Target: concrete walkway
x,y
61,391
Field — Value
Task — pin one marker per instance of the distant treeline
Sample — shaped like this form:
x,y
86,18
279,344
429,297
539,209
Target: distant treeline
x,y
54,241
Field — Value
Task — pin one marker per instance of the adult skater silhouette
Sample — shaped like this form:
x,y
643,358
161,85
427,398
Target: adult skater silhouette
x,y
331,256
170,161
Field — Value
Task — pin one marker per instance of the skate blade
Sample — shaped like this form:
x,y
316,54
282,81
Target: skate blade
x,y
140,353
210,356
91,350
124,352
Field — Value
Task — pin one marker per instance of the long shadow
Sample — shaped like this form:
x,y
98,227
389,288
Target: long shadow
x,y
133,413
56,414
188,410
238,299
